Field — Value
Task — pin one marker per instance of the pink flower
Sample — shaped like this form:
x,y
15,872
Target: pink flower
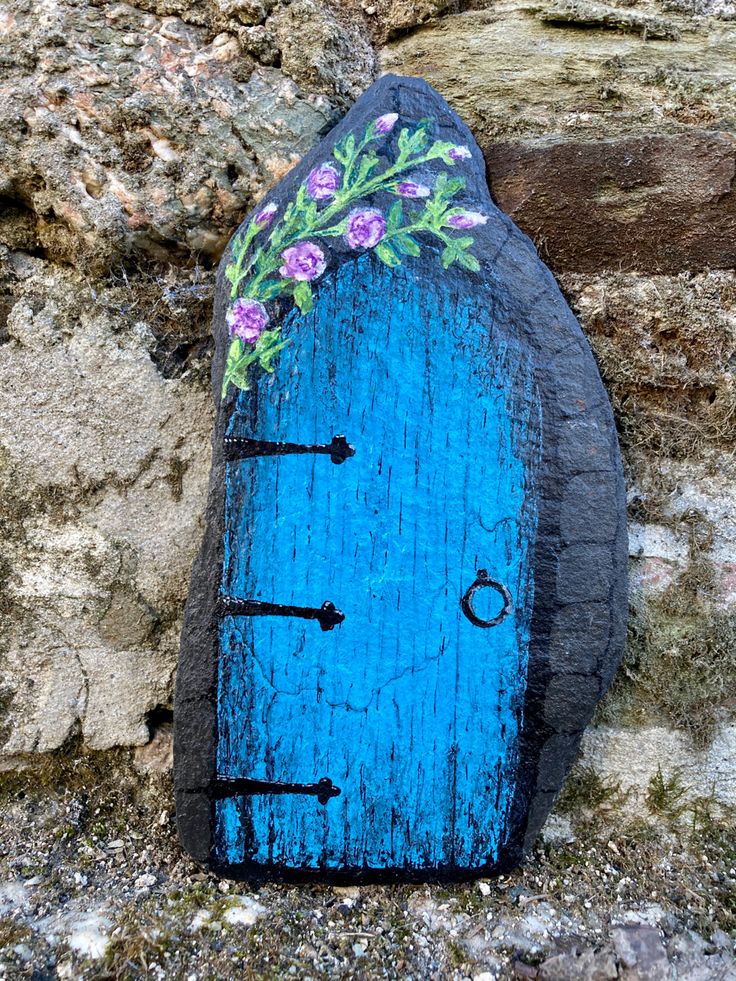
x,y
467,219
265,216
304,261
410,189
459,153
247,320
366,228
323,183
384,124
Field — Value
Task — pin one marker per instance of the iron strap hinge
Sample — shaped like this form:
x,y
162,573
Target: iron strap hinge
x,y
225,787
243,448
328,614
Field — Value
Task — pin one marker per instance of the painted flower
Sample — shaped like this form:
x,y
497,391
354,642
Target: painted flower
x,y
410,189
247,320
366,227
304,261
265,216
467,219
459,153
323,182
384,124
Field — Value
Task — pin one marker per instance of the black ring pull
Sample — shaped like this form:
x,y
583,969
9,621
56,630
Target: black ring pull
x,y
466,603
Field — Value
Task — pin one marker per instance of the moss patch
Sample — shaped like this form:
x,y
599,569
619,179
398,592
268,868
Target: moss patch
x,y
664,346
680,661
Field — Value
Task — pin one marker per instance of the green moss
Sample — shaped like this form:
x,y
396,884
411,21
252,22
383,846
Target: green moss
x,y
70,767
666,796
679,666
12,932
586,789
175,476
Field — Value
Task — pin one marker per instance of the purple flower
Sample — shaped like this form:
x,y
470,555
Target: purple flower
x,y
265,215
366,228
467,219
410,189
303,261
459,153
323,183
384,124
247,320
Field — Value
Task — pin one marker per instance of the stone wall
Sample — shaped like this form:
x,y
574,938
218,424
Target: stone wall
x,y
133,139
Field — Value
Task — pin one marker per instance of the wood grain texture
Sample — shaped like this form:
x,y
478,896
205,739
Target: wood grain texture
x,y
408,707
483,438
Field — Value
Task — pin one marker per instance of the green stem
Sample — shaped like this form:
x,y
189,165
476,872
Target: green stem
x,y
272,257
250,234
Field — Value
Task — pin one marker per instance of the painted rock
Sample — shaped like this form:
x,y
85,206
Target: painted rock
x,y
412,588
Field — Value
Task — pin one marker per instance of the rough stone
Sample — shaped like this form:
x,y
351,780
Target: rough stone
x,y
588,965
642,954
654,203
605,149
581,13
131,135
325,50
97,544
665,346
633,757
532,80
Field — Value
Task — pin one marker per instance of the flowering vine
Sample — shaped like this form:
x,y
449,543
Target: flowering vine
x,y
332,203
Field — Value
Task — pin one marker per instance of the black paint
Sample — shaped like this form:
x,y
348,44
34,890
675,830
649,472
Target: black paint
x,y
484,581
328,615
242,448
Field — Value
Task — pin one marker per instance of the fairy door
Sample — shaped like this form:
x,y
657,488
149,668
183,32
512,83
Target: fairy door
x,y
411,592
408,711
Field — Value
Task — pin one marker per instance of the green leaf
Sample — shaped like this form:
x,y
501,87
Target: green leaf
x,y
231,273
368,163
267,347
270,289
394,217
448,257
236,366
403,144
419,138
233,352
303,297
239,378
301,199
387,255
468,260
343,150
453,187
442,149
407,245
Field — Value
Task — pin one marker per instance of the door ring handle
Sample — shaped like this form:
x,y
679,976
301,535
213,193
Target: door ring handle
x,y
466,603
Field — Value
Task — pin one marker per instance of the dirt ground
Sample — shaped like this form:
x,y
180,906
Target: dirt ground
x,y
93,885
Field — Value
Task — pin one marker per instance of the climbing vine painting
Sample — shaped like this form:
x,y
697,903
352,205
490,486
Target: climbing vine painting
x,y
336,201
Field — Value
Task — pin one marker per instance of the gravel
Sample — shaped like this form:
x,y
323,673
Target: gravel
x,y
93,885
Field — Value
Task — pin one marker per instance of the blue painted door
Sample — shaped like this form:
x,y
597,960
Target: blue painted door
x,y
409,708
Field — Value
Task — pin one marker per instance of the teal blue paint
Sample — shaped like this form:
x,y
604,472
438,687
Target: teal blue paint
x,y
410,709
